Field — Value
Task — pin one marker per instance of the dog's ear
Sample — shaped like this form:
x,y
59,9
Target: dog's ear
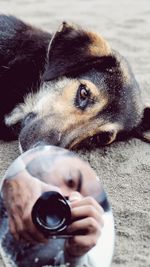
x,y
143,129
72,47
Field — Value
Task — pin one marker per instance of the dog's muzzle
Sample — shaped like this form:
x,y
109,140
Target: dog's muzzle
x,y
35,134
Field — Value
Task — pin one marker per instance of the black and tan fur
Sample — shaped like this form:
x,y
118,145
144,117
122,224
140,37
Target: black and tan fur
x,y
69,88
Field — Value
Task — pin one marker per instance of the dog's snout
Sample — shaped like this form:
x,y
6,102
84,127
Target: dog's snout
x,y
38,133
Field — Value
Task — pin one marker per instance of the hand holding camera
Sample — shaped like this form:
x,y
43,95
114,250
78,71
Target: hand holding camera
x,y
46,193
78,219
20,196
87,217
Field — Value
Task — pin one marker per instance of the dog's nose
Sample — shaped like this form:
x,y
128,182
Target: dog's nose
x,y
37,134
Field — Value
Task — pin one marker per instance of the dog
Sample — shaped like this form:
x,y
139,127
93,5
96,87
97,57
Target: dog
x,y
67,88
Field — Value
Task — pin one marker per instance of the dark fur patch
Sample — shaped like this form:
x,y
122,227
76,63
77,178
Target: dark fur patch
x,y
70,49
22,60
101,64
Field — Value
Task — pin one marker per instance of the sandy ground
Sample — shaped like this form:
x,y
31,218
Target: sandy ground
x,y
124,167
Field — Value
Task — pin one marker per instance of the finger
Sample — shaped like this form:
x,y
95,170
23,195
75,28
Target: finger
x,y
27,238
19,232
74,249
81,212
12,228
88,201
78,246
85,244
30,235
75,196
88,224
23,230
18,224
31,229
37,236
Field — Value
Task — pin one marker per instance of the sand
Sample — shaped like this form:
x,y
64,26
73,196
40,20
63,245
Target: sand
x,y
123,167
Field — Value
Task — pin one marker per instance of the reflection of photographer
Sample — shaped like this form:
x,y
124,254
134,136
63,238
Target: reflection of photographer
x,y
89,232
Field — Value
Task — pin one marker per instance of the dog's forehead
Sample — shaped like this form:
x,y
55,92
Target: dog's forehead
x,y
93,76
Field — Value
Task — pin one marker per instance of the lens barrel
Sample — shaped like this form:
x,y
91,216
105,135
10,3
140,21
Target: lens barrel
x,y
51,213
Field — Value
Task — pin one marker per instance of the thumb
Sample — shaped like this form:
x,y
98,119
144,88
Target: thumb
x,y
75,196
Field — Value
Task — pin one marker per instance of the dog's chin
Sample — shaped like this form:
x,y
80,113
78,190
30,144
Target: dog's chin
x,y
98,140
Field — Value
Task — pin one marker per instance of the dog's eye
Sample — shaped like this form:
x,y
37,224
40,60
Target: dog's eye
x,y
83,92
82,97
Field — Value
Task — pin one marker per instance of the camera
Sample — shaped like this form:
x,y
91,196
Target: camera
x,y
51,214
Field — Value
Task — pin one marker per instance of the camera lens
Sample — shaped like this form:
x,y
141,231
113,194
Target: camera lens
x,y
51,213
51,219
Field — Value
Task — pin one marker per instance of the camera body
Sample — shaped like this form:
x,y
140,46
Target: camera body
x,y
51,214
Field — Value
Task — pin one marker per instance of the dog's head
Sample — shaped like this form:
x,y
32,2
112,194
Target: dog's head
x,y
88,96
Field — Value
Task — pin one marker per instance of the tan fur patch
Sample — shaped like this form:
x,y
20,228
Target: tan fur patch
x,y
106,127
99,46
74,116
